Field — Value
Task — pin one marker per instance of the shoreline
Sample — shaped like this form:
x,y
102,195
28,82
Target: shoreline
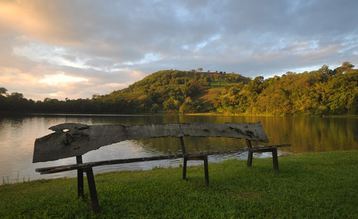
x,y
282,154
175,114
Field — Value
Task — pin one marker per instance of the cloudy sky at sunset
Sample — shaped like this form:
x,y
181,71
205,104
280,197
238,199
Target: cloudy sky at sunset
x,y
66,48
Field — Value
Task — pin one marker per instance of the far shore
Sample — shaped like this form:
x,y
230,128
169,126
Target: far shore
x,y
174,114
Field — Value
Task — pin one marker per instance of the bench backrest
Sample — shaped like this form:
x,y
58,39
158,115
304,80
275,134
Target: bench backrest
x,y
73,139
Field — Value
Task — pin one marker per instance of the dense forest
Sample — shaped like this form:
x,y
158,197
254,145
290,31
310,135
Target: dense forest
x,y
321,92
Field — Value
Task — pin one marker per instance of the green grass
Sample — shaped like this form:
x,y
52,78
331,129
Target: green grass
x,y
319,185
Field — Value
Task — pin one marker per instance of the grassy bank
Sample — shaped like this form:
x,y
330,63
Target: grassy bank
x,y
320,185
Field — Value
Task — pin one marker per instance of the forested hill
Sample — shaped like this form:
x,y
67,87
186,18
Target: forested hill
x,y
173,90
321,92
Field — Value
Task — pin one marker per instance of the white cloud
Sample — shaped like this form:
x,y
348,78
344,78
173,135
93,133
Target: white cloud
x,y
148,58
202,44
53,55
61,78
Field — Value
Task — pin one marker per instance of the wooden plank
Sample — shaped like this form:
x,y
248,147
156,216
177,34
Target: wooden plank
x,y
62,168
72,139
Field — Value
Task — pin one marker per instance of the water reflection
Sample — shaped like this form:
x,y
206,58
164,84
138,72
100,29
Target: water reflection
x,y
306,134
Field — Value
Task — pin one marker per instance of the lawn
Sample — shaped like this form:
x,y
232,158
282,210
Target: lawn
x,y
312,185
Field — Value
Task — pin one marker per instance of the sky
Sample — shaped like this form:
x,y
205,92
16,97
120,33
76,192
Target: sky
x,y
77,48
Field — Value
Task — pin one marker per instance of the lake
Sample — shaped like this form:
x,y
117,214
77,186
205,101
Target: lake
x,y
306,134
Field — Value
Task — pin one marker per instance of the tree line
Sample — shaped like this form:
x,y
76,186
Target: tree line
x,y
321,92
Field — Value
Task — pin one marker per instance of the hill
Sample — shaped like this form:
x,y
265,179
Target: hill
x,y
173,90
321,92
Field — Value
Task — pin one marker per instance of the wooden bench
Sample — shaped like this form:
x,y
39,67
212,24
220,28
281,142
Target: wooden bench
x,y
74,140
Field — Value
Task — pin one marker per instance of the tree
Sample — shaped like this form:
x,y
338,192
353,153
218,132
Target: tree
x,y
347,65
194,89
325,69
16,96
155,108
187,106
171,104
3,91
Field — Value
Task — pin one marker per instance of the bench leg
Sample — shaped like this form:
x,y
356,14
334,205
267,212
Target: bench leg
x,y
92,190
80,190
275,160
185,160
249,158
206,170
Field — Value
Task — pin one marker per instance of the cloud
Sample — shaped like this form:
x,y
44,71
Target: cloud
x,y
148,58
53,55
114,43
61,79
28,22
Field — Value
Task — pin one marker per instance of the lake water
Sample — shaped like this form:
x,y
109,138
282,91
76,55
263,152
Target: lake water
x,y
306,134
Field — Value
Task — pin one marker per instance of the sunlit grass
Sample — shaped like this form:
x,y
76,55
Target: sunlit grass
x,y
320,185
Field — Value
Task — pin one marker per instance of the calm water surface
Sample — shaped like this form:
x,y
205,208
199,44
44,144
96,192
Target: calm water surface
x,y
306,134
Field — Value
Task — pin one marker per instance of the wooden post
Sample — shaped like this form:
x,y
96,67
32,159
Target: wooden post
x,y
250,153
80,190
275,160
249,158
92,190
206,170
185,160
